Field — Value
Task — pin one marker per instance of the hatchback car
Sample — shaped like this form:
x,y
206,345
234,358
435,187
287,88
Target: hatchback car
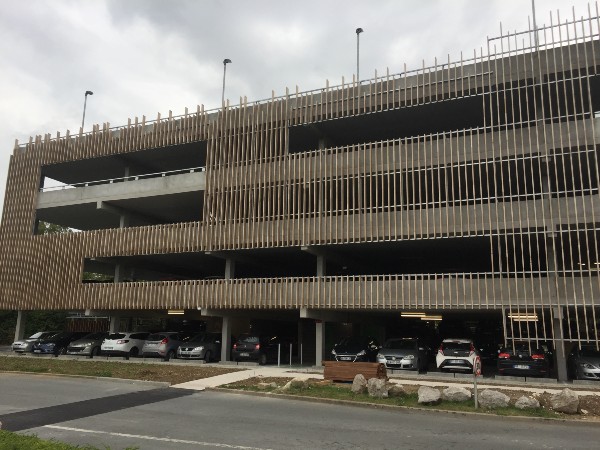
x,y
124,344
521,359
405,353
26,345
89,345
356,349
163,345
456,354
265,348
57,344
206,346
584,363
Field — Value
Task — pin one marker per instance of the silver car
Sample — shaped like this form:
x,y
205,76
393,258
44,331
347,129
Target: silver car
x,y
162,345
584,363
88,345
404,353
26,345
206,346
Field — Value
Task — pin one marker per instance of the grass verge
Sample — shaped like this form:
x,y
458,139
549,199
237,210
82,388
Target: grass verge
x,y
341,391
170,373
14,441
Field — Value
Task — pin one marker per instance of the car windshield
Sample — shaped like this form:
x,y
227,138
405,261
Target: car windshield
x,y
590,353
94,336
37,335
57,335
249,339
156,337
113,336
354,341
521,347
403,344
456,345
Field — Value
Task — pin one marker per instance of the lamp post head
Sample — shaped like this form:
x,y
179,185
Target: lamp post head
x,y
226,61
359,30
89,93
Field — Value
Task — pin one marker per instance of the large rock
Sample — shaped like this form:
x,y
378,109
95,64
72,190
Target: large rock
x,y
428,395
359,384
456,394
396,390
527,403
493,399
266,385
566,402
376,387
297,383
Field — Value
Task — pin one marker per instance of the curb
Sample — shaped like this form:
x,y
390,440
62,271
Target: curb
x,y
90,377
394,407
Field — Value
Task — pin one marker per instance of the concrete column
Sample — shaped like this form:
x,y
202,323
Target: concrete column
x,y
319,342
300,337
321,266
20,328
229,269
226,339
119,273
560,358
114,324
123,221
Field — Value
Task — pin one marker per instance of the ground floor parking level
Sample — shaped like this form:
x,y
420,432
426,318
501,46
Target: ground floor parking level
x,y
308,336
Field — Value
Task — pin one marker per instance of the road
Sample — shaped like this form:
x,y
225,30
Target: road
x,y
115,414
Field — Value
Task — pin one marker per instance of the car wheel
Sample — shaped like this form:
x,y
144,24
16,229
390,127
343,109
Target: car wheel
x,y
170,354
262,360
207,356
132,353
60,351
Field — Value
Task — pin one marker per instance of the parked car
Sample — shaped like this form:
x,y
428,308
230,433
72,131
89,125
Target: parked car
x,y
57,344
26,345
163,345
584,363
252,347
456,354
124,344
89,345
407,353
356,348
522,359
206,346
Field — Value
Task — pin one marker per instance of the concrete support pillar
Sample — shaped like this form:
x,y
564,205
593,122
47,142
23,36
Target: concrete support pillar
x,y
229,269
226,339
20,328
321,266
119,269
560,357
319,342
123,221
300,337
114,324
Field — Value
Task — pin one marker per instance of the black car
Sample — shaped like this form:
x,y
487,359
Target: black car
x,y
355,349
523,359
261,348
58,343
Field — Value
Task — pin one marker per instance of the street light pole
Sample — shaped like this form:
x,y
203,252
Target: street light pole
x,y
225,62
535,30
358,31
84,105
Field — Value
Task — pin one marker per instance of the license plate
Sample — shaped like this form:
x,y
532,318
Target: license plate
x,y
520,366
107,348
245,354
456,361
37,351
345,358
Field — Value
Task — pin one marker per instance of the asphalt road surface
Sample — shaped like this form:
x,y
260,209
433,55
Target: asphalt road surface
x,y
115,414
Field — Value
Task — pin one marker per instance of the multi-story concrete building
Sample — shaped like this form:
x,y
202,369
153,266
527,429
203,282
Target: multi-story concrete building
x,y
466,191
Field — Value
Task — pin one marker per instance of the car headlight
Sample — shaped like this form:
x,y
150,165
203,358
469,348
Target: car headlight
x,y
587,366
333,352
51,344
361,353
198,349
409,357
380,356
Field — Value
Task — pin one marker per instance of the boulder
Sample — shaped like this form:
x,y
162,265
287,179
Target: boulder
x,y
396,390
376,387
428,395
456,394
297,383
493,399
566,402
527,403
266,385
359,384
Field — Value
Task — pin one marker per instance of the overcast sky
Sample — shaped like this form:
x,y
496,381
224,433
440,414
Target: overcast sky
x,y
141,57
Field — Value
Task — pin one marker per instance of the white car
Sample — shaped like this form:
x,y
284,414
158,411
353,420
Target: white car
x,y
26,345
124,343
456,354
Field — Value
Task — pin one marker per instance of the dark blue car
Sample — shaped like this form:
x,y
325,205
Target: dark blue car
x,y
57,344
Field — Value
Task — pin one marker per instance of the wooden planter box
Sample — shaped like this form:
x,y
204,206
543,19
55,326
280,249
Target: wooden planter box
x,y
346,371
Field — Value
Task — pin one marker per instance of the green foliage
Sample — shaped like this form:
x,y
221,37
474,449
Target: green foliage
x,y
51,228
14,441
35,321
